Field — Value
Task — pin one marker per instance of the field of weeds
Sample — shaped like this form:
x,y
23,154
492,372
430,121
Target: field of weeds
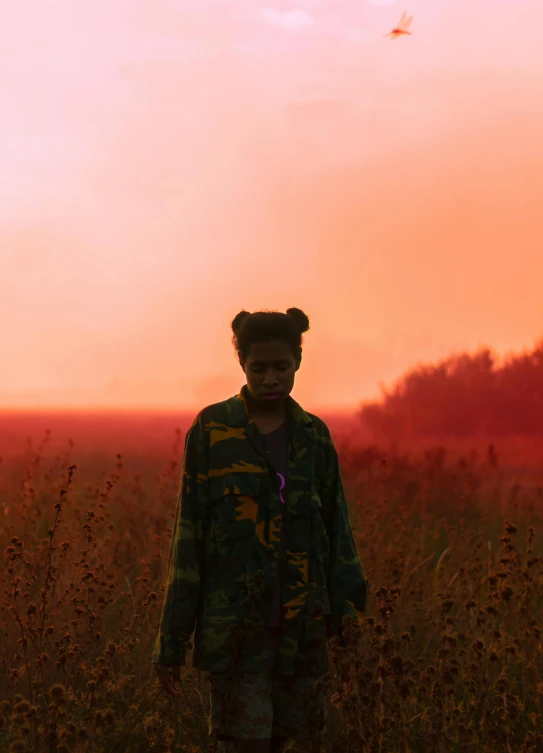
x,y
448,659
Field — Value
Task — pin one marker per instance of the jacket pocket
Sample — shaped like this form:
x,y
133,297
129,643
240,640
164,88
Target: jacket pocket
x,y
233,500
220,596
220,612
233,510
236,484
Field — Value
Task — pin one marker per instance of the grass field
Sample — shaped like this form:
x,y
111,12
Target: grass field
x,y
449,657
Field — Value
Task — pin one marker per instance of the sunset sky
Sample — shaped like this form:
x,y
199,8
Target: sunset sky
x,y
167,163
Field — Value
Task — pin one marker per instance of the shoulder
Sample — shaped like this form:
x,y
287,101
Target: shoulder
x,y
318,424
215,412
322,432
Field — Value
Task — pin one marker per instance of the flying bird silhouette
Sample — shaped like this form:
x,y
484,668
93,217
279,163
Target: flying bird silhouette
x,y
401,28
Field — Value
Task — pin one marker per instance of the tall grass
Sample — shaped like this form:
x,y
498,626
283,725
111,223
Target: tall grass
x,y
449,657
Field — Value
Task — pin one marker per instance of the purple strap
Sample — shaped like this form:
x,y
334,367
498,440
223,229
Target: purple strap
x,y
281,487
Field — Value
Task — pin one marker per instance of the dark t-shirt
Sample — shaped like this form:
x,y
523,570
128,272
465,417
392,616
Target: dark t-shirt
x,y
277,444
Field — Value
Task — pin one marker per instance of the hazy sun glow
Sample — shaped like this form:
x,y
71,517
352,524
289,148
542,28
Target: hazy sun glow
x,y
166,163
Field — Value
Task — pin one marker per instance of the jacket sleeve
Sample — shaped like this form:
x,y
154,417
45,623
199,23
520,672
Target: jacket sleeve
x,y
347,587
186,555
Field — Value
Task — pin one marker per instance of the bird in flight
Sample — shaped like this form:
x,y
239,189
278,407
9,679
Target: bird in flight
x,y
402,27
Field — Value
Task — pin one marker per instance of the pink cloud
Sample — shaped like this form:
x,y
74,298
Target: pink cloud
x,y
290,20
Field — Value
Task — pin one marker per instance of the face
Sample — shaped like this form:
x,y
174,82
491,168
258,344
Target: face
x,y
270,367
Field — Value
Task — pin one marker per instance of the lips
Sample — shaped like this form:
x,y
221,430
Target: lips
x,y
271,395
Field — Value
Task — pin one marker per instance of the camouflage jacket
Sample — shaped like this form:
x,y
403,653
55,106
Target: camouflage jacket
x,y
223,558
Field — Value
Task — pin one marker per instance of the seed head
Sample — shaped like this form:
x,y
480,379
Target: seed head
x,y
57,691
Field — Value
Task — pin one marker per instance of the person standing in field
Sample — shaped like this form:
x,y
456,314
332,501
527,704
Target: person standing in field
x,y
262,564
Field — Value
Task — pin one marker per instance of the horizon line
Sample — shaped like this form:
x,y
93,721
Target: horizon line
x,y
116,409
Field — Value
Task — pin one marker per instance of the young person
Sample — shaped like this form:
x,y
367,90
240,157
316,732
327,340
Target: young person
x,y
262,561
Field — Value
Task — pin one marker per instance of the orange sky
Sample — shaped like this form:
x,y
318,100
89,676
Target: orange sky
x,y
166,163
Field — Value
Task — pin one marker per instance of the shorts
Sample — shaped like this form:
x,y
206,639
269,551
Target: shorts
x,y
262,705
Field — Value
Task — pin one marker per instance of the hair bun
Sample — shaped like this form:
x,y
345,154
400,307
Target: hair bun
x,y
238,320
299,318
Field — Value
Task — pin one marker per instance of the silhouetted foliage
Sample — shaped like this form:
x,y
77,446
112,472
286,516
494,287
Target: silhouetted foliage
x,y
462,397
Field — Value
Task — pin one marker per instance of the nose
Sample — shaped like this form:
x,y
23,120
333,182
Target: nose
x,y
270,379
